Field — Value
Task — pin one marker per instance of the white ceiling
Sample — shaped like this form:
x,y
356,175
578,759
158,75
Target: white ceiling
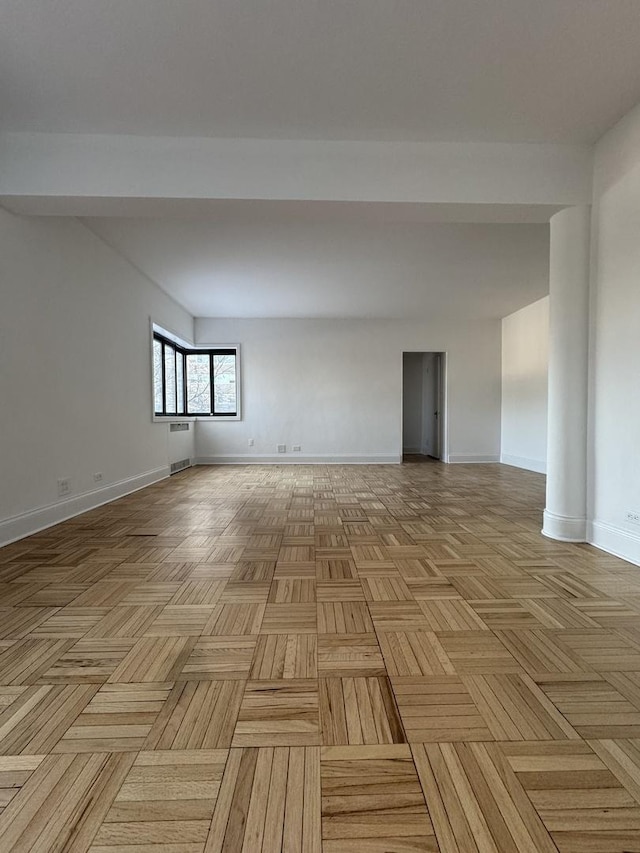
x,y
405,70
452,70
272,260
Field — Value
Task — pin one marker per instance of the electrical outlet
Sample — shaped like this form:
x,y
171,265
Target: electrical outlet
x,y
250,442
297,447
632,517
97,477
282,448
64,486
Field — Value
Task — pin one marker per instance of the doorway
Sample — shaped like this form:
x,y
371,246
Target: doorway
x,y
424,405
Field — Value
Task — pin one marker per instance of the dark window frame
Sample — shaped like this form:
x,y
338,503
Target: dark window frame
x,y
182,353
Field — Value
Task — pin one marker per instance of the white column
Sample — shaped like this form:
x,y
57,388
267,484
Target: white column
x,y
566,509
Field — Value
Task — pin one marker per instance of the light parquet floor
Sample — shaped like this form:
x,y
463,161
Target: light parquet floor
x,y
319,659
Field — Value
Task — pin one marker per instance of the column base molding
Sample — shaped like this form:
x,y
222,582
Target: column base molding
x,y
565,528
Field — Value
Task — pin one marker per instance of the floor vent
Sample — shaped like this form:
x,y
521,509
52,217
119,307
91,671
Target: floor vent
x,y
180,466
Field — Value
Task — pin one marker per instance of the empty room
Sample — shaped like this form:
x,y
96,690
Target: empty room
x,y
320,426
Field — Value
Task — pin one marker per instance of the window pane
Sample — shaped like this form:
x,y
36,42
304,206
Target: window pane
x,y
157,376
170,378
224,383
180,382
198,385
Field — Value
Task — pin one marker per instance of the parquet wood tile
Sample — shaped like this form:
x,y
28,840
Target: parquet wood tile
x,y
539,652
171,665
559,613
372,801
349,655
359,711
476,802
124,621
438,709
152,659
503,614
344,617
89,661
602,650
414,653
180,620
293,591
55,595
515,708
104,593
229,620
451,615
477,652
18,622
69,622
593,706
340,590
62,804
279,713
269,802
398,616
23,661
622,758
15,771
580,801
333,569
427,589
39,716
203,592
117,719
253,571
213,658
386,588
197,715
245,592
151,594
168,798
289,619
285,656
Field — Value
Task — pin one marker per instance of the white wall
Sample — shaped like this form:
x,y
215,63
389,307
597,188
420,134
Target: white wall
x,y
75,386
335,387
614,466
525,369
412,381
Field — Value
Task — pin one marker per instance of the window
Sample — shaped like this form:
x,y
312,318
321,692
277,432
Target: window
x,y
199,381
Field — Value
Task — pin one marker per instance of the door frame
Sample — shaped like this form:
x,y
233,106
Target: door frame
x,y
443,401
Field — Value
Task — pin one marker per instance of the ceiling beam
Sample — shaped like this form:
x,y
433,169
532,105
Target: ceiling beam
x,y
36,169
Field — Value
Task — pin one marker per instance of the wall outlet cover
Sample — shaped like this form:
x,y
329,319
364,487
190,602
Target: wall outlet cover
x,y
282,448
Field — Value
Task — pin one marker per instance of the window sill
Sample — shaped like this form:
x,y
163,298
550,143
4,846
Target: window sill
x,y
190,419
218,418
173,419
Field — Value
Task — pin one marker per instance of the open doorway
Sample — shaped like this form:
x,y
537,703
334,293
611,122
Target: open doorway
x,y
424,405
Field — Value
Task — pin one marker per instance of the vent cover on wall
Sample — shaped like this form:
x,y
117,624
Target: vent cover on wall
x,y
180,466
179,427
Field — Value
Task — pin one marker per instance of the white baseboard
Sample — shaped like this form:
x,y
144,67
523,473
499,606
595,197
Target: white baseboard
x,y
300,459
563,528
413,450
614,540
536,465
18,526
464,458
